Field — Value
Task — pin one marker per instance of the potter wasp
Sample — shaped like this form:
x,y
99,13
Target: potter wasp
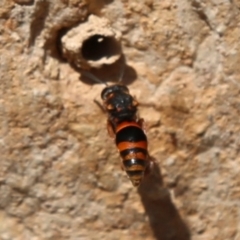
x,y
127,129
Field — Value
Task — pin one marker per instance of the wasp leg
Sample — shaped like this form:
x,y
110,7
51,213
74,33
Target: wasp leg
x,y
110,129
122,166
142,124
140,121
150,167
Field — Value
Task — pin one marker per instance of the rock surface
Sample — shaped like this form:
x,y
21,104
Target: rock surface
x,y
60,175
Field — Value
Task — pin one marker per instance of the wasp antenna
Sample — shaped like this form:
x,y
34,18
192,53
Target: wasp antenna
x,y
122,73
93,77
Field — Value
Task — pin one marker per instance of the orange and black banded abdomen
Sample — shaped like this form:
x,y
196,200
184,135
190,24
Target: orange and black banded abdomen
x,y
131,142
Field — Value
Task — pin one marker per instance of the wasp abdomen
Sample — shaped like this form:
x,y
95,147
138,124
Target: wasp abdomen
x,y
132,145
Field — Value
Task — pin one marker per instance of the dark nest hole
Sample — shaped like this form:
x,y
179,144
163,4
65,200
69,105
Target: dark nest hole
x,y
98,46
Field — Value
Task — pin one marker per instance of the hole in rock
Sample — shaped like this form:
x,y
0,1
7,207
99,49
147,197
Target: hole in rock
x,y
98,46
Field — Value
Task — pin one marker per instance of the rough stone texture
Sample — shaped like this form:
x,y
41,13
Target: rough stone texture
x,y
60,175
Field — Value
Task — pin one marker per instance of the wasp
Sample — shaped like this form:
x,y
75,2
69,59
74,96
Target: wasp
x,y
124,125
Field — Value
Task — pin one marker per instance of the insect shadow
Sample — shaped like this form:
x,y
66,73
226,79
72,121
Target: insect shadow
x,y
164,218
117,72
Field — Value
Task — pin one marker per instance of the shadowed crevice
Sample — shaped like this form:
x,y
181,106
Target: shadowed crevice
x,y
201,14
38,22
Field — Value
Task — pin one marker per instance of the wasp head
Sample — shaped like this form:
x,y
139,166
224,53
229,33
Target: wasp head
x,y
119,103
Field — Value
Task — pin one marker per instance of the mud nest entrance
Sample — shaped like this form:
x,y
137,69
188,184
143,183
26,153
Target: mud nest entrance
x,y
98,46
